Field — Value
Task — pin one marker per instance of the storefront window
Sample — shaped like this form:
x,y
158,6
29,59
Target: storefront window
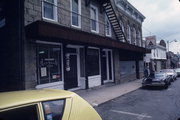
x,y
93,62
127,67
49,64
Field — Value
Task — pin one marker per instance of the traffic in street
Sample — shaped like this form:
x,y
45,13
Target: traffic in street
x,y
149,103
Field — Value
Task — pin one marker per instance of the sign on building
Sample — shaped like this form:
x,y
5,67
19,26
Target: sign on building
x,y
150,41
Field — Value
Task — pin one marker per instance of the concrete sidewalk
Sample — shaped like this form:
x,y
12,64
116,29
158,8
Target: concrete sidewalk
x,y
97,96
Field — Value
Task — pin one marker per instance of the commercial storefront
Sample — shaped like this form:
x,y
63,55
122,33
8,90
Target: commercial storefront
x,y
79,61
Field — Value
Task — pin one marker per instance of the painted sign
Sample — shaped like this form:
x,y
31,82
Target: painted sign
x,y
150,41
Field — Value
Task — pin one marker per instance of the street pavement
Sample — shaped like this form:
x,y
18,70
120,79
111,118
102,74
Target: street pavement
x,y
152,103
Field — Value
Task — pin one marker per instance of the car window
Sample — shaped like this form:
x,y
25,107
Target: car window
x,y
159,75
53,110
22,113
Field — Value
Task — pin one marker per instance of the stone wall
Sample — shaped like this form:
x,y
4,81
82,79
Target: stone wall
x,y
30,65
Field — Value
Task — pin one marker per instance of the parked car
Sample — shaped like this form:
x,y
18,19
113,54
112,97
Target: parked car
x,y
47,104
177,71
159,79
171,73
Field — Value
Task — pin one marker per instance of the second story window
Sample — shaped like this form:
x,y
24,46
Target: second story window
x,y
129,34
107,27
94,19
134,36
76,13
49,9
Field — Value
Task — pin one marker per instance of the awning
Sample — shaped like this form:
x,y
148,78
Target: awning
x,y
43,30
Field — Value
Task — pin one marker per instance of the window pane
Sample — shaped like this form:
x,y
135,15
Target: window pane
x,y
75,19
54,64
48,10
75,13
93,23
93,19
75,6
23,113
43,64
49,61
93,13
53,110
93,62
107,27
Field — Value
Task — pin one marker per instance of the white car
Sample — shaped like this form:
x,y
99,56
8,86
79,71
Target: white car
x,y
171,72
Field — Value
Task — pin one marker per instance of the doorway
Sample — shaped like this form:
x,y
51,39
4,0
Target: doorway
x,y
107,66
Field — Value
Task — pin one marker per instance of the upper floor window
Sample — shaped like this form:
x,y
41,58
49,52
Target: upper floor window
x,y
76,13
94,18
122,27
107,27
134,36
129,33
49,9
139,38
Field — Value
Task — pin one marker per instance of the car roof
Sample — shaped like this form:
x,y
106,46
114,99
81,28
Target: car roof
x,y
11,99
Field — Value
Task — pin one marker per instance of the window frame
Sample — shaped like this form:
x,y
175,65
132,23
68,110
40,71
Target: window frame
x,y
37,105
129,34
134,36
79,14
63,109
55,16
99,53
97,18
110,29
42,85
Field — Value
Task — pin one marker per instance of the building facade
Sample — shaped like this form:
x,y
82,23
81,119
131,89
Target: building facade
x,y
157,59
78,44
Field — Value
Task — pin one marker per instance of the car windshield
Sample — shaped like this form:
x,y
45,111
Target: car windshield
x,y
159,75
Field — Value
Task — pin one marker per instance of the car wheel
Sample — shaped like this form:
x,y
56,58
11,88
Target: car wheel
x,y
166,86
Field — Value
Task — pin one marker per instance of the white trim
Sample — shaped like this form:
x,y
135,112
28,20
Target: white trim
x,y
97,18
50,43
79,14
55,19
49,85
93,47
74,46
78,66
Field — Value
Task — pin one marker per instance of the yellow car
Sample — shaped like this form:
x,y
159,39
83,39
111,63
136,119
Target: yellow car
x,y
47,104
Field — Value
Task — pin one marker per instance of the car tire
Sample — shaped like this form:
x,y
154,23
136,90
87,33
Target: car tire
x,y
166,86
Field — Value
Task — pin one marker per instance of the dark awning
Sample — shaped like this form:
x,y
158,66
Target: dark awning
x,y
42,29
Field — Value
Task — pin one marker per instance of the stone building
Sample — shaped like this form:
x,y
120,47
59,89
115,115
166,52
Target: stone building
x,y
70,44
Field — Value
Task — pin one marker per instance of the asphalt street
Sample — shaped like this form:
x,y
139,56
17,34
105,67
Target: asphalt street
x,y
152,103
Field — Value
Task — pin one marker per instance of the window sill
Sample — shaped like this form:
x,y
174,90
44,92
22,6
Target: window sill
x,y
50,20
93,31
48,85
